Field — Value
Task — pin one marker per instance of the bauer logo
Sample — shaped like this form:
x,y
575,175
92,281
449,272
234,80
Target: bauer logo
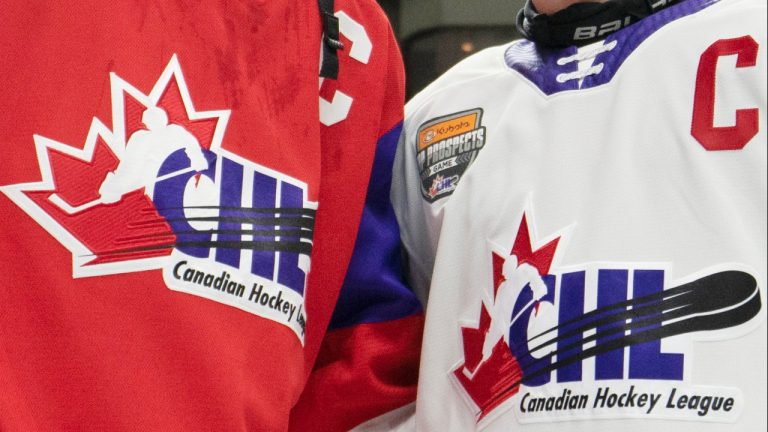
x,y
602,340
446,147
158,191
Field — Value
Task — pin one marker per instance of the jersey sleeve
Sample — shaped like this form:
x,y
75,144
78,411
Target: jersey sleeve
x,y
436,148
413,214
368,361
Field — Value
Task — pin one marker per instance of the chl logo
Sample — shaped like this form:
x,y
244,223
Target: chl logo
x,y
158,191
446,146
537,326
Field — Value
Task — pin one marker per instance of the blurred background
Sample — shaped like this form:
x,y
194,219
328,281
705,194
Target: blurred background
x,y
435,34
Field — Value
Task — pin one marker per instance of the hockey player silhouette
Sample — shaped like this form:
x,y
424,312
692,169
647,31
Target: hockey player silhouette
x,y
146,151
517,277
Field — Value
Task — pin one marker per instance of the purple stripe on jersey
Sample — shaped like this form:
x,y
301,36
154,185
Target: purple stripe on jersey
x,y
373,289
539,65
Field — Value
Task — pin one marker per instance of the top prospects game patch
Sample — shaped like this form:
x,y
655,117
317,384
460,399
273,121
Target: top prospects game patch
x,y
446,147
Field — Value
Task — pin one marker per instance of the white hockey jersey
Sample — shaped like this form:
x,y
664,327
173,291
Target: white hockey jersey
x,y
589,226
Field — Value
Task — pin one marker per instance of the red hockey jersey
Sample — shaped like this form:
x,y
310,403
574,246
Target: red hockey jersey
x,y
182,206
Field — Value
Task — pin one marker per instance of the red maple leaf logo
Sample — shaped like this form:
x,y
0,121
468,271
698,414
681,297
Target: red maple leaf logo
x,y
433,190
129,234
491,381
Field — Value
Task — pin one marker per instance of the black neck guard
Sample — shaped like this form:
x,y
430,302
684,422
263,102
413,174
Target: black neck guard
x,y
583,23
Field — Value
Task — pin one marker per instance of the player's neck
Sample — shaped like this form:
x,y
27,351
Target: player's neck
x,y
549,7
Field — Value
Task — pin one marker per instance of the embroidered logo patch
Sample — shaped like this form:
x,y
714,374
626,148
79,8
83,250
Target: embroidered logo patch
x,y
446,147
599,340
158,191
